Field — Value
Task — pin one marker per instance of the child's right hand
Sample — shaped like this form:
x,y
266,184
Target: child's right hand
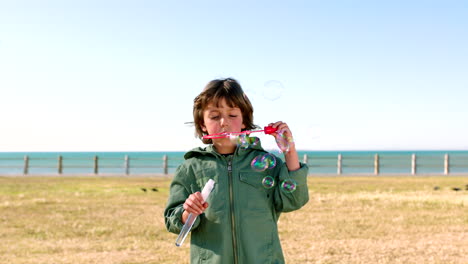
x,y
195,204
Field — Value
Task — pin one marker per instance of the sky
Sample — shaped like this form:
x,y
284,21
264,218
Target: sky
x,y
122,75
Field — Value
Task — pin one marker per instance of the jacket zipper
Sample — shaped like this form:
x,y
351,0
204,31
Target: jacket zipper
x,y
231,200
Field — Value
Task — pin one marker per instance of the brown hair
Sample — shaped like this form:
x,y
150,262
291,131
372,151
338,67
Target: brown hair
x,y
228,89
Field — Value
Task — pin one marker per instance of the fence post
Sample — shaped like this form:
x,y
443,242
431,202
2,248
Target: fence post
x,y
26,165
96,165
127,165
446,164
376,164
165,164
413,164
60,164
305,159
338,165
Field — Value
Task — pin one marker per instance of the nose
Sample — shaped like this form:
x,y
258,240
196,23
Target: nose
x,y
224,122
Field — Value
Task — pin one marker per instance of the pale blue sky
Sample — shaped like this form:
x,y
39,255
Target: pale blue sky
x,y
122,75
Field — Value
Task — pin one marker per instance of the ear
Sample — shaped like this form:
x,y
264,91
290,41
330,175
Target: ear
x,y
203,127
243,126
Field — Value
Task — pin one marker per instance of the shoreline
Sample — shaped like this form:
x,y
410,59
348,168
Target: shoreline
x,y
171,175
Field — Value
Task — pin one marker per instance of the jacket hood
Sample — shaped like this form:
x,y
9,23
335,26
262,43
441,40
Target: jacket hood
x,y
211,151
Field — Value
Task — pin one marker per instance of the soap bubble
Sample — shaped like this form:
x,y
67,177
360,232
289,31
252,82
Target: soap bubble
x,y
263,162
282,141
249,141
269,160
268,182
234,137
272,90
258,164
288,185
244,141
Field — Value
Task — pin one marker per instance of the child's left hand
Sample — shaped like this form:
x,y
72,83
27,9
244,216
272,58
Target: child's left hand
x,y
282,128
283,131
285,141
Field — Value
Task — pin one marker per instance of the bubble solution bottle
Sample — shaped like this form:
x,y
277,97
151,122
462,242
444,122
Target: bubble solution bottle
x,y
191,218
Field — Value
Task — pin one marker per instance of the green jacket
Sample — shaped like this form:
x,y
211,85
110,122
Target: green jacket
x,y
240,223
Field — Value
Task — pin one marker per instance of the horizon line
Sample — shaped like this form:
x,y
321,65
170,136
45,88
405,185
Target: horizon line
x,y
299,150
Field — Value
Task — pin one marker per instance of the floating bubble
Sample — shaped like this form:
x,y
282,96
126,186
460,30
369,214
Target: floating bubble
x,y
234,137
241,141
252,141
269,160
244,141
282,142
258,164
272,90
263,162
288,185
268,182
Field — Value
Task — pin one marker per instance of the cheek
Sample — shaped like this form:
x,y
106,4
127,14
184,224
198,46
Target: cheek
x,y
240,124
210,125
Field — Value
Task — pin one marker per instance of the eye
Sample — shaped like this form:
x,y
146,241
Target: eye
x,y
233,115
214,117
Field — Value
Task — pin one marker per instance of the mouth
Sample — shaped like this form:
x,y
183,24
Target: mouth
x,y
222,134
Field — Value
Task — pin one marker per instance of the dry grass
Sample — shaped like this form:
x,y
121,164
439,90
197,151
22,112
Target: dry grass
x,y
348,220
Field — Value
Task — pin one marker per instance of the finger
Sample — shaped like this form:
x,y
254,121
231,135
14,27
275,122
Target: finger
x,y
194,203
284,128
198,207
189,207
198,212
194,210
276,124
199,197
284,132
282,124
280,128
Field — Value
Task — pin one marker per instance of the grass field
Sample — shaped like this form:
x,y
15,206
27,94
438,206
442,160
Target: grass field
x,y
347,220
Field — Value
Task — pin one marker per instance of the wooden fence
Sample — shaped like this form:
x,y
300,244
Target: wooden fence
x,y
376,166
119,165
165,165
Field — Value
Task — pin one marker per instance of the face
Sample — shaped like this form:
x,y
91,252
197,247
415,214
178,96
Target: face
x,y
222,119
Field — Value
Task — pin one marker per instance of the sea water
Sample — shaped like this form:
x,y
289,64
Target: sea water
x,y
319,162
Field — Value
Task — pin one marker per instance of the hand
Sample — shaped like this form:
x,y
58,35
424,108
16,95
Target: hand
x,y
282,129
195,204
285,141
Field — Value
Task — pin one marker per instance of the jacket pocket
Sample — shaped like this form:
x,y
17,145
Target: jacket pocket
x,y
253,178
253,194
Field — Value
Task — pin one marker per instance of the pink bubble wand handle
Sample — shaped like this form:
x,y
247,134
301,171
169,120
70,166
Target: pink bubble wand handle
x,y
267,130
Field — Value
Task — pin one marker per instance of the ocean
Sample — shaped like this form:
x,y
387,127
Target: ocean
x,y
319,162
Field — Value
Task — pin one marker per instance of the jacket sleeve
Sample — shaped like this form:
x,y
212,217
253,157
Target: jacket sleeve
x,y
179,191
290,201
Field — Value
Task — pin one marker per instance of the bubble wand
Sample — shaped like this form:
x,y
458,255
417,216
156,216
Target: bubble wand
x,y
267,130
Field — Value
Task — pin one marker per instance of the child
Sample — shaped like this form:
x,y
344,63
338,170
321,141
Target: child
x,y
238,222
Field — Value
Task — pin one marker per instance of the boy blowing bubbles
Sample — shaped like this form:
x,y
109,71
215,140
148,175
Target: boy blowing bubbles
x,y
238,223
